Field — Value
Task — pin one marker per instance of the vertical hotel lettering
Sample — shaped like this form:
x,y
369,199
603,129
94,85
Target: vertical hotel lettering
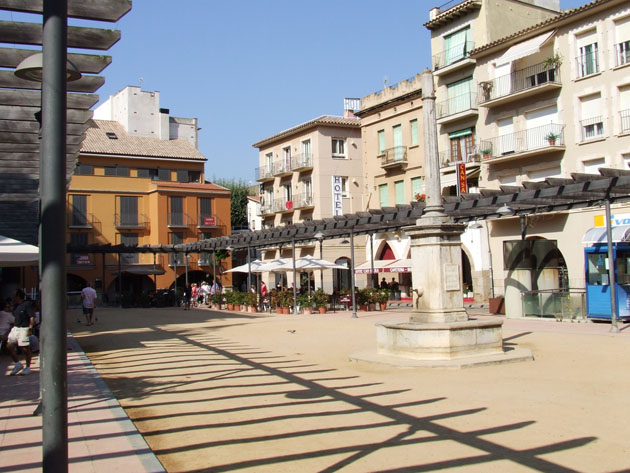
x,y
337,191
462,184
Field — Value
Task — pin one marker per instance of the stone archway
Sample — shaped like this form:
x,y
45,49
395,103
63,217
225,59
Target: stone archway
x,y
74,282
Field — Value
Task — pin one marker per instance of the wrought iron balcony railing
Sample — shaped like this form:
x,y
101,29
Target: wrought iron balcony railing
x,y
282,167
448,158
178,220
266,208
130,221
540,137
592,128
303,200
452,55
80,220
517,81
302,161
587,64
394,156
625,120
457,104
283,205
622,51
264,173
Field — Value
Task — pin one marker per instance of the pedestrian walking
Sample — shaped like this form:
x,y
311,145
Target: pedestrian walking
x,y
88,298
187,296
20,333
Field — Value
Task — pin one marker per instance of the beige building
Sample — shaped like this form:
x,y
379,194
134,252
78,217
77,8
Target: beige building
x,y
310,172
554,99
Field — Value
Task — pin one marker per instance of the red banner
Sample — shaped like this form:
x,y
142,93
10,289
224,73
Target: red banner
x,y
462,184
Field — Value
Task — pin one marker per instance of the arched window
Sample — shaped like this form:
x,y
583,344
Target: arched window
x,y
342,277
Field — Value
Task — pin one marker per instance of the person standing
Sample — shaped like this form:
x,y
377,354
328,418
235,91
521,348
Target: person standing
x,y
187,296
20,333
88,298
193,295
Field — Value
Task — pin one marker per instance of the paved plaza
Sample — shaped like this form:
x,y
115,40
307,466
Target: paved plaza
x,y
226,391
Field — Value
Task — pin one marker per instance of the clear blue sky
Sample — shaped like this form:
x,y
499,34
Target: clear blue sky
x,y
249,69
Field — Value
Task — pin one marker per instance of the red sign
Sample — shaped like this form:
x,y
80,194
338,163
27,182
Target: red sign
x,y
462,184
209,221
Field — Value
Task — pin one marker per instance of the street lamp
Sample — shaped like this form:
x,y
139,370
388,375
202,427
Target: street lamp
x,y
505,210
320,237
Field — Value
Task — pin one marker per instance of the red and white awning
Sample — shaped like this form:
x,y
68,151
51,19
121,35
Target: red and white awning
x,y
385,266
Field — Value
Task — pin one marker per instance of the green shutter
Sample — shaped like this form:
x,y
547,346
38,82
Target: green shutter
x,y
399,187
384,200
381,142
416,187
414,132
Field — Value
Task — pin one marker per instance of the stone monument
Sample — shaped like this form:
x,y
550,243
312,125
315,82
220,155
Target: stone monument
x,y
439,332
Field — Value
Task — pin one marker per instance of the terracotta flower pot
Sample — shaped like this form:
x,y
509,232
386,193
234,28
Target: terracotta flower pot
x,y
363,307
383,305
322,310
230,306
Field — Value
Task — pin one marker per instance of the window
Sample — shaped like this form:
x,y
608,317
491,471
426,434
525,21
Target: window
x,y
413,125
399,151
306,148
84,169
182,175
345,191
462,145
77,239
592,122
129,210
148,173
381,142
383,195
288,196
79,210
129,239
205,207
457,45
164,174
338,148
459,97
416,188
176,238
592,165
286,163
588,60
120,171
624,108
622,35
269,161
399,188
176,210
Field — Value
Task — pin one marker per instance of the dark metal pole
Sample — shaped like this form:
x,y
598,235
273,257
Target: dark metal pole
x,y
294,278
175,276
214,268
354,296
611,272
119,281
54,381
372,257
321,273
186,267
249,268
154,276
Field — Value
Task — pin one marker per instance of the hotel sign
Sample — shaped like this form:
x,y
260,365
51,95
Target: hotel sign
x,y
462,184
337,195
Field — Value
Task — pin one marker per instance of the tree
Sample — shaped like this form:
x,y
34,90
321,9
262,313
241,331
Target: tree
x,y
238,201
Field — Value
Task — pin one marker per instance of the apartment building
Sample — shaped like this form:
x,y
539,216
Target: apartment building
x,y
553,100
140,180
309,172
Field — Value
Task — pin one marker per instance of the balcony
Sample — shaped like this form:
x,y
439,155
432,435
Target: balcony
x,y
205,259
283,205
178,220
130,222
302,201
302,162
80,220
282,168
457,108
532,142
624,116
622,53
264,173
453,59
592,128
266,209
208,221
447,158
518,85
177,259
587,64
394,157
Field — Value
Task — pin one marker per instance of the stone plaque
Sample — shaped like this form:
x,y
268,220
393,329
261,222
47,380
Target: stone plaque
x,y
451,277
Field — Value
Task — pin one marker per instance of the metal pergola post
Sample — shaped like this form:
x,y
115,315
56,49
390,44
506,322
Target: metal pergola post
x,y
294,277
354,296
611,272
372,258
321,273
54,381
249,268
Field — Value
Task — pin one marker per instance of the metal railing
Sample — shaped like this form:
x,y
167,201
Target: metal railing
x,y
447,158
302,161
625,120
264,172
587,64
622,53
282,167
522,141
592,128
303,200
266,209
178,259
459,103
517,81
561,304
177,220
80,220
452,55
395,155
130,221
283,205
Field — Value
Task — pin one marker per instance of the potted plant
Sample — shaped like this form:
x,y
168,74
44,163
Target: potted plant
x,y
216,300
382,298
252,302
553,62
320,299
229,297
487,152
305,302
486,89
363,299
551,137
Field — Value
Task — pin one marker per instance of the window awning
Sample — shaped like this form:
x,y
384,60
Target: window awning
x,y
457,134
385,266
366,268
398,266
526,48
597,235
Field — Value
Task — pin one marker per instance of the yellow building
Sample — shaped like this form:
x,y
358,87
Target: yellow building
x,y
139,188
